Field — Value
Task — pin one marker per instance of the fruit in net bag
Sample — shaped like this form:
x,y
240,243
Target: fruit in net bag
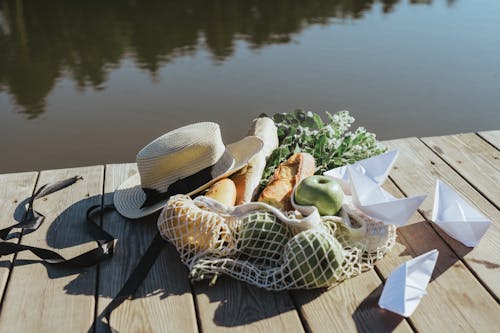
x,y
262,237
192,229
314,259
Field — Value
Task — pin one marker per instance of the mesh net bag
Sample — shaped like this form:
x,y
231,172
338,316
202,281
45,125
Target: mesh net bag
x,y
263,246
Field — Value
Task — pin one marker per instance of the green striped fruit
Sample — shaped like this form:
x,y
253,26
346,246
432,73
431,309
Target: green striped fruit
x,y
263,237
314,259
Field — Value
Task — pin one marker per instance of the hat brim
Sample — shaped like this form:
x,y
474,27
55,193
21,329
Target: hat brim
x,y
129,196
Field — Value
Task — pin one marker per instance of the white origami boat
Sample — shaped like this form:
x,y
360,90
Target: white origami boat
x,y
377,168
407,284
456,217
370,198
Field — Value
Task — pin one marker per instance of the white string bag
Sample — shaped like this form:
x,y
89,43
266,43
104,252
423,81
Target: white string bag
x,y
259,244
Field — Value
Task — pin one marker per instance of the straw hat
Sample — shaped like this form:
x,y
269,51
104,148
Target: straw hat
x,y
184,161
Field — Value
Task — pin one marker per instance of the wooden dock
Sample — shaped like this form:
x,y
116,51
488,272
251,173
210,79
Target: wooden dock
x,y
463,295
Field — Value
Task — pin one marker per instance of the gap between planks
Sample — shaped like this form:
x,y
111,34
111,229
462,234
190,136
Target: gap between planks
x,y
98,266
492,137
457,166
13,257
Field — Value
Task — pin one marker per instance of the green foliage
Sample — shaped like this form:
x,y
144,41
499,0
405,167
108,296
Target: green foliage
x,y
330,143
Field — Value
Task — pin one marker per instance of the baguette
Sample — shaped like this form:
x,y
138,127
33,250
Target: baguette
x,y
279,190
247,180
223,191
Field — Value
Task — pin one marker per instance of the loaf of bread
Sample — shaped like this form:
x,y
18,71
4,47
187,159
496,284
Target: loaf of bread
x,y
224,191
279,190
247,180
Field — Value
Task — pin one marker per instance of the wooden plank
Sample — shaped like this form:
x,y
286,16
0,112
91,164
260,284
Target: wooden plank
x,y
492,137
456,301
351,306
14,189
473,158
234,306
415,172
45,298
163,302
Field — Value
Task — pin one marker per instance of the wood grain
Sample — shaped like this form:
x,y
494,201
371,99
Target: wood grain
x,y
351,306
234,306
492,137
45,298
455,299
163,302
473,158
462,295
415,172
14,189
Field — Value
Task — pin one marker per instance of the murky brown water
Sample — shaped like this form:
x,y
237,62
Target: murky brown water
x,y
92,82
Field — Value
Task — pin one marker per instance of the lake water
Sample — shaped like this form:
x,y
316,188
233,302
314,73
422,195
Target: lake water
x,y
91,82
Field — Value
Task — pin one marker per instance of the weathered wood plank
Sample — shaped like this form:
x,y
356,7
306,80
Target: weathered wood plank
x,y
415,172
492,137
235,306
472,157
14,188
163,302
351,306
456,301
43,298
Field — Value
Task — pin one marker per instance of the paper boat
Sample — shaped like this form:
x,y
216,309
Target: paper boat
x,y
370,198
376,168
407,284
456,217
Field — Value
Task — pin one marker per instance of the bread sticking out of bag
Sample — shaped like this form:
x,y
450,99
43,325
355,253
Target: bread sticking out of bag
x,y
289,173
223,191
247,180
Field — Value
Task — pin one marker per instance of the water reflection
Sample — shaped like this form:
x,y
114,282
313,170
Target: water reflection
x,y
43,41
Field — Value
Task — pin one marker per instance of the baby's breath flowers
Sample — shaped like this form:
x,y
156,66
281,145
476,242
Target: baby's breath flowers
x,y
331,144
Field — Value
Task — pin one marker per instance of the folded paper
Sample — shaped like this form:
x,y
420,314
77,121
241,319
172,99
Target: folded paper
x,y
370,198
376,168
407,284
456,217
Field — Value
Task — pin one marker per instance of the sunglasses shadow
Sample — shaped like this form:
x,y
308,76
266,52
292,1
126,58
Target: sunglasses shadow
x,y
20,211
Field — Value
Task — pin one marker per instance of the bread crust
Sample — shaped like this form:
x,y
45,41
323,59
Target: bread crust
x,y
247,180
223,191
240,180
288,174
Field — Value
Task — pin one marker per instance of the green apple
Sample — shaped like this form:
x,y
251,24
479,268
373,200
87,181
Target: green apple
x,y
320,191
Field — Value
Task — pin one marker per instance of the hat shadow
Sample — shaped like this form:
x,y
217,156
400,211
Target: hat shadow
x,y
132,239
